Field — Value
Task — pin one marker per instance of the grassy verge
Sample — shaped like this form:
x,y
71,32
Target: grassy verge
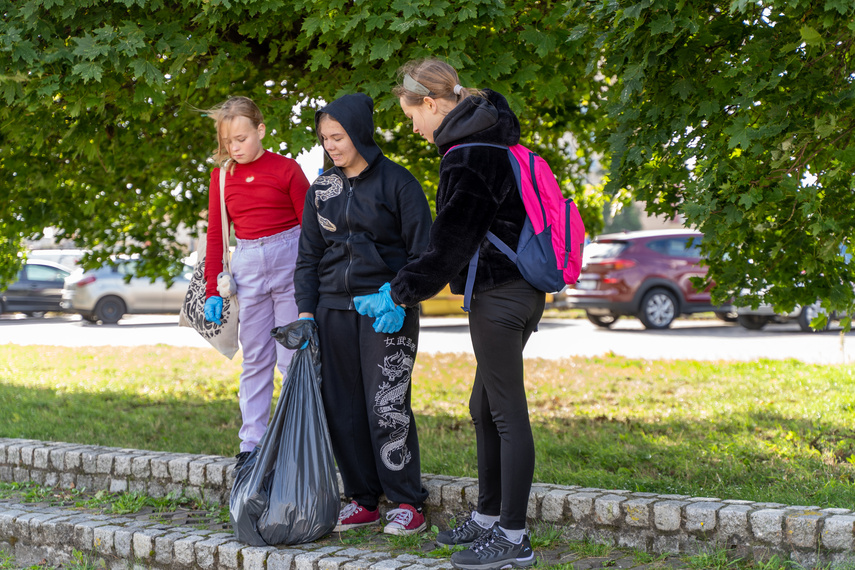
x,y
771,431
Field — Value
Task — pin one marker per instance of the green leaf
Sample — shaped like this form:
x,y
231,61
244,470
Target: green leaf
x,y
810,36
383,49
88,70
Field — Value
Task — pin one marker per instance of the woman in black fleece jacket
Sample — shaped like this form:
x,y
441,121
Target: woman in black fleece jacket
x,y
477,192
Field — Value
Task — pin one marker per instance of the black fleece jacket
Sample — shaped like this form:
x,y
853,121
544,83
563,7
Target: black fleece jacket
x,y
477,192
358,233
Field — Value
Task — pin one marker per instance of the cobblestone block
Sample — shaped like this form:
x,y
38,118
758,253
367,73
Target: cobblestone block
x,y
56,531
333,562
27,454
160,467
801,528
21,474
228,555
668,515
389,564
280,560
178,469
837,511
57,458
607,509
358,564
196,472
581,505
733,522
552,509
452,496
104,463
470,495
122,465
102,539
144,542
123,541
13,454
215,472
163,547
206,552
767,525
84,533
141,467
638,511
257,557
37,476
837,532
6,473
535,500
51,479
73,458
118,485
89,461
701,517
665,544
434,489
137,486
184,550
67,480
41,457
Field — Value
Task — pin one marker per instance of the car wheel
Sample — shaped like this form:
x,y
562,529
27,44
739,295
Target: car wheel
x,y
808,314
604,321
89,317
658,309
109,310
752,322
727,316
35,314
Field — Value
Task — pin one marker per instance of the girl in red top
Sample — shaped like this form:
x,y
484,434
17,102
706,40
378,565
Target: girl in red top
x,y
264,196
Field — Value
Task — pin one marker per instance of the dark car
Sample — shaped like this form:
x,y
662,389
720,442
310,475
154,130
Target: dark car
x,y
37,291
644,274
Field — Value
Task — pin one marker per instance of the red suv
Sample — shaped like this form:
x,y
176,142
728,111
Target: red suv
x,y
645,274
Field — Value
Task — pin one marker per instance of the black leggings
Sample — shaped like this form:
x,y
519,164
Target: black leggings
x,y
501,321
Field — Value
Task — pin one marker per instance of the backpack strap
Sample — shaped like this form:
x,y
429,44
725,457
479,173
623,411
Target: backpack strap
x,y
491,237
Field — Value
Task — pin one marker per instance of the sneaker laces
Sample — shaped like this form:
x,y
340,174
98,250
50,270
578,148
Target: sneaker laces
x,y
348,510
484,540
401,516
461,528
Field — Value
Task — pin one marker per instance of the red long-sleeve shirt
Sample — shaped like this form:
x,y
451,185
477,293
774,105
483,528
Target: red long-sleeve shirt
x,y
263,198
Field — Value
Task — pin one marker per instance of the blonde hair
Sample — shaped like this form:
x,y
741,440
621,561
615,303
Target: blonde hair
x,y
438,77
223,113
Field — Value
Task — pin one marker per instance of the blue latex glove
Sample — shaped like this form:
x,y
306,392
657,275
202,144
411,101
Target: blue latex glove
x,y
305,344
214,309
375,304
391,321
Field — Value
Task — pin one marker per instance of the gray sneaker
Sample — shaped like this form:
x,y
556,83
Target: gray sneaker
x,y
494,551
463,534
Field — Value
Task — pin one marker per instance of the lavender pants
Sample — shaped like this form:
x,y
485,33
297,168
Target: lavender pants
x,y
263,269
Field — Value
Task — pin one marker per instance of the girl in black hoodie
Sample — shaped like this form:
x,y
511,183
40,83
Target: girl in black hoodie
x,y
477,192
363,220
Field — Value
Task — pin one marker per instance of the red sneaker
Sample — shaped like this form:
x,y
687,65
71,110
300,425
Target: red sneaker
x,y
405,520
353,515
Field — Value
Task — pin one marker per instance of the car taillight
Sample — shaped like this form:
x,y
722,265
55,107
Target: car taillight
x,y
612,264
86,281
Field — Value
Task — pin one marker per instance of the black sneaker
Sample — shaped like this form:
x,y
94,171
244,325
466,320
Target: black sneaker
x,y
241,459
494,551
463,534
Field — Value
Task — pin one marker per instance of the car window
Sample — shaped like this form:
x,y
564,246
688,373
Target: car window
x,y
676,247
43,273
604,249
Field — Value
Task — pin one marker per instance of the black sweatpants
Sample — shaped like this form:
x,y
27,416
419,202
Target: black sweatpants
x,y
366,390
500,323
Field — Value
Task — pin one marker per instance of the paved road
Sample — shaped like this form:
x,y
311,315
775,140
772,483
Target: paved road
x,y
557,338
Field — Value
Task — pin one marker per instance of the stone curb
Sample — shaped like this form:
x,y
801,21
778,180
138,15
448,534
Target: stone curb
x,y
655,523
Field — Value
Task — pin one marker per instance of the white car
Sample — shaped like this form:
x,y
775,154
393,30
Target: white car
x,y
103,295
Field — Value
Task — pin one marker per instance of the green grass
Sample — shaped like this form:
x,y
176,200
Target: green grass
x,y
777,431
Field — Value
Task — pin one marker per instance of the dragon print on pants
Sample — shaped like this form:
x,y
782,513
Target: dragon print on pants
x,y
333,188
389,405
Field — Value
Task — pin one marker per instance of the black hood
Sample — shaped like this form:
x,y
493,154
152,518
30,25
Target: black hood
x,y
355,113
481,120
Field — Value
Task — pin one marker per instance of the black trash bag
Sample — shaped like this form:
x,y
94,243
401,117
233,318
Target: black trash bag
x,y
287,491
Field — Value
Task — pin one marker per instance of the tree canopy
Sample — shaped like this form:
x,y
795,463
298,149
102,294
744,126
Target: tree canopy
x,y
737,114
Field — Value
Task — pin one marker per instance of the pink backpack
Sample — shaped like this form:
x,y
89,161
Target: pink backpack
x,y
549,254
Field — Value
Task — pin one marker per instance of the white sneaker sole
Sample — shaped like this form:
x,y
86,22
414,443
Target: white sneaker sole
x,y
346,527
392,528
